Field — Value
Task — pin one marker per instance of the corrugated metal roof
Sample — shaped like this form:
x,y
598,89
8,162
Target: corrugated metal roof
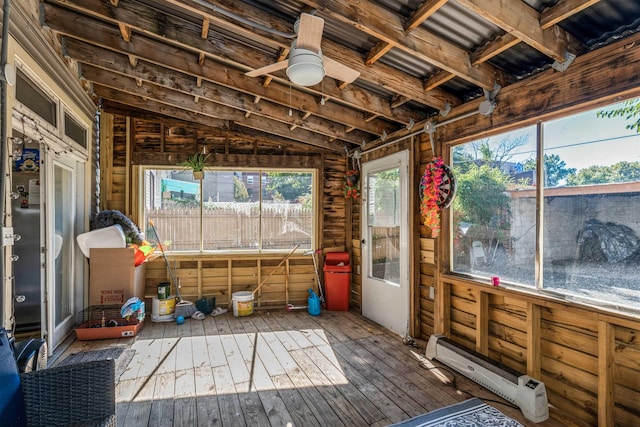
x,y
598,24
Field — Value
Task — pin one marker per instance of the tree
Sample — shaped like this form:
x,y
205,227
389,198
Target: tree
x,y
240,193
555,169
630,110
495,154
619,172
482,201
289,185
481,195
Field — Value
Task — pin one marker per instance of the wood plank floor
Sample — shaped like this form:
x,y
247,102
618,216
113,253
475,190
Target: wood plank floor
x,y
278,368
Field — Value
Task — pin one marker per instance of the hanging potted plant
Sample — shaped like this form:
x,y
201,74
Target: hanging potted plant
x,y
351,189
196,162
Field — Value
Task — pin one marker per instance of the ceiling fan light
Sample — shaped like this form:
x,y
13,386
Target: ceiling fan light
x,y
305,67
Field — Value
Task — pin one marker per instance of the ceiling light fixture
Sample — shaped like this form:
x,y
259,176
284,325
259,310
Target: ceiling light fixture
x,y
305,67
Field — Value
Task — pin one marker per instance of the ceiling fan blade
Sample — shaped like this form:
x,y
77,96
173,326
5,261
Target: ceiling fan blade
x,y
339,71
310,32
267,69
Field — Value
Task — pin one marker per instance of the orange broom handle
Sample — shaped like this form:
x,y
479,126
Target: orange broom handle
x,y
275,268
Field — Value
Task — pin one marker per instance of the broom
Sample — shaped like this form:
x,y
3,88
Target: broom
x,y
183,308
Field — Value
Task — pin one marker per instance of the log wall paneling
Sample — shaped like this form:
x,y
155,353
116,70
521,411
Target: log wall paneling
x,y
219,277
588,360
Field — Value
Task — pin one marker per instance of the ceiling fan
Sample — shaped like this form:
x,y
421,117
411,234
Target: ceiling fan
x,y
306,66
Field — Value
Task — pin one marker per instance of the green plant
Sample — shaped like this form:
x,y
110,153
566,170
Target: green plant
x,y
196,162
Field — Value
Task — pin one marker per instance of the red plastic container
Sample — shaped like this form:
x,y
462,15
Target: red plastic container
x,y
337,280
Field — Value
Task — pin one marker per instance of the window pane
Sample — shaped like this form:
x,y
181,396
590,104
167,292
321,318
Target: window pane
x,y
75,131
241,210
591,205
29,94
493,231
287,210
384,224
172,201
231,211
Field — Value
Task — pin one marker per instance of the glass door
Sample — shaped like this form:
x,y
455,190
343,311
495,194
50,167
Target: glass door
x,y
60,232
385,283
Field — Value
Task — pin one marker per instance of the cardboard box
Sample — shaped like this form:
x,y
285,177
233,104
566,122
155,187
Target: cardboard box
x,y
113,278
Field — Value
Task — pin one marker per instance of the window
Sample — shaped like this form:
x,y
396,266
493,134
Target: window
x,y
493,235
29,94
590,204
75,130
220,212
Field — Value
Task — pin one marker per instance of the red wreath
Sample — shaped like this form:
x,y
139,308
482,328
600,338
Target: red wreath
x,y
430,194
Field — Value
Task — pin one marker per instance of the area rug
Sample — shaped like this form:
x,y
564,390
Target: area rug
x,y
470,413
121,355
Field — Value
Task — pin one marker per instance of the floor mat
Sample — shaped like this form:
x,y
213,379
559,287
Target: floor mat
x,y
470,413
121,355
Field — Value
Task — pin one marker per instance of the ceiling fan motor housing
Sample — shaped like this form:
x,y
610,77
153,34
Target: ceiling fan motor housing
x,y
305,67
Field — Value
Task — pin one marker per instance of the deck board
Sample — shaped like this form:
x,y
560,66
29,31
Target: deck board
x,y
278,368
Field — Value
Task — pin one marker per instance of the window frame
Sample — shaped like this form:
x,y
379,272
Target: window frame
x,y
316,212
537,287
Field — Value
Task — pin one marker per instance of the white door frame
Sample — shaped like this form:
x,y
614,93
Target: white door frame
x,y
56,332
383,301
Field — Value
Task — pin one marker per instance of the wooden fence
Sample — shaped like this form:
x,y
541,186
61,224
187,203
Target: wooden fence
x,y
232,225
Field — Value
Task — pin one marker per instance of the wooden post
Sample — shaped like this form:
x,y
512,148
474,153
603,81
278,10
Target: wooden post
x,y
606,345
482,322
533,340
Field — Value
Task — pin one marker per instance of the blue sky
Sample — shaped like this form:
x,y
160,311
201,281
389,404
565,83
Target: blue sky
x,y
581,140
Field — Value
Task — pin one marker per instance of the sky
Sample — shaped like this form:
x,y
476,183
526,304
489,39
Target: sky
x,y
582,140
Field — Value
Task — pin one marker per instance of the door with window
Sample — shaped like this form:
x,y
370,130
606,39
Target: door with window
x,y
385,254
60,259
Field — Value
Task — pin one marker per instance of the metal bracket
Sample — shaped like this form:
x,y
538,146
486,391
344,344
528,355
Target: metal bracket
x,y
447,108
489,104
410,124
430,128
562,66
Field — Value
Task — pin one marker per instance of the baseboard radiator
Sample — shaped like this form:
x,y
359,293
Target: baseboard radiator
x,y
527,393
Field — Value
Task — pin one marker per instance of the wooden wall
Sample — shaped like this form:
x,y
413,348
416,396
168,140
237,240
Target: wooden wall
x,y
588,358
128,142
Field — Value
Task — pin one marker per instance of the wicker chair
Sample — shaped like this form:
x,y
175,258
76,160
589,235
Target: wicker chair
x,y
81,394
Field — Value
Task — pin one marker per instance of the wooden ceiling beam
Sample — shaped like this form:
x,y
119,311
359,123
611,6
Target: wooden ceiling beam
x,y
99,33
147,108
387,26
563,10
522,21
397,81
139,97
226,51
206,23
377,52
125,30
104,58
422,13
494,48
224,98
217,131
550,17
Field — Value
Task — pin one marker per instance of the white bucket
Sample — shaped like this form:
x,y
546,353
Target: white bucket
x,y
163,307
163,318
242,303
